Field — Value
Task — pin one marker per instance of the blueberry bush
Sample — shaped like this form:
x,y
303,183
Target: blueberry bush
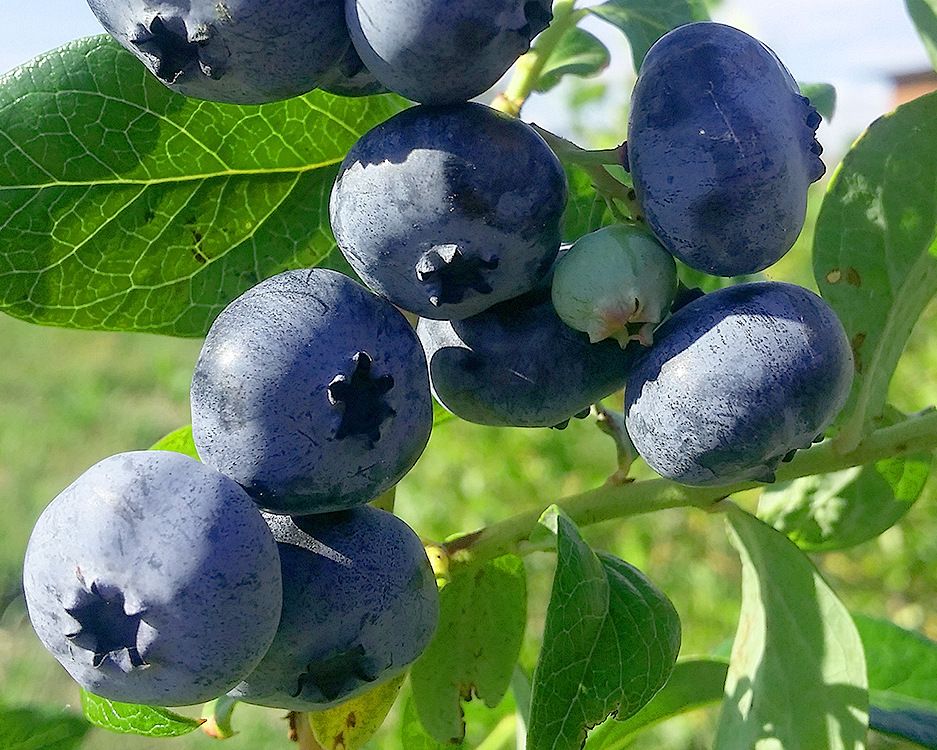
x,y
370,258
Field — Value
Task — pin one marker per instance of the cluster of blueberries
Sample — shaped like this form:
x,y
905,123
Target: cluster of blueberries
x,y
261,571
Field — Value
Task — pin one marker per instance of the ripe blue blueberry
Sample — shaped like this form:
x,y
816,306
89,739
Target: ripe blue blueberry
x,y
241,51
312,393
517,364
722,149
153,579
735,381
443,52
359,605
448,210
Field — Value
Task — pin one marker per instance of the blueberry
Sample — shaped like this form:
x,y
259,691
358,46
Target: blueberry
x,y
245,52
722,149
735,381
448,210
617,282
312,393
359,605
443,52
517,364
350,77
153,579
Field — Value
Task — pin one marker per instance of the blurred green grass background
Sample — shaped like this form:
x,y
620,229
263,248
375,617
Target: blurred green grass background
x,y
70,398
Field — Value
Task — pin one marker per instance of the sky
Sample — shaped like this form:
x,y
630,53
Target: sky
x,y
854,44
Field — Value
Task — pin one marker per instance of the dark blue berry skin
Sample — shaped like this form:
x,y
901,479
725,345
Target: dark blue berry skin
x,y
449,210
153,579
238,51
312,393
735,381
350,77
443,52
517,364
359,605
722,149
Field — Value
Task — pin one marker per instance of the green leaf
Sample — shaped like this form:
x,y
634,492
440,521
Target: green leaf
x,y
902,668
822,96
126,206
33,728
129,718
874,254
694,683
179,441
349,725
586,211
610,642
646,21
482,617
797,673
412,734
924,15
440,414
577,53
845,508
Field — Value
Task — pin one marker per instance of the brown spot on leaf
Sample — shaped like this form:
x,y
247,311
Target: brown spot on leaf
x,y
852,277
338,742
351,721
834,276
856,344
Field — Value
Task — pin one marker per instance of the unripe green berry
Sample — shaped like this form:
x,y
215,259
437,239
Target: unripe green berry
x,y
617,282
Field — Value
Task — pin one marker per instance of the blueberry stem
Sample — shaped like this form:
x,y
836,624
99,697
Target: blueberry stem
x,y
217,715
612,423
915,434
529,67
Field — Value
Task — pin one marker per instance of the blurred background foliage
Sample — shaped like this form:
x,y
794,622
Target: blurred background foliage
x,y
69,398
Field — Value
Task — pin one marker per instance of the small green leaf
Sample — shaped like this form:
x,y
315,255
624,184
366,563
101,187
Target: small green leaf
x,y
130,718
845,508
578,53
902,667
924,15
610,642
646,21
412,734
482,617
797,673
586,211
440,414
875,249
694,683
34,728
349,725
179,441
126,206
822,96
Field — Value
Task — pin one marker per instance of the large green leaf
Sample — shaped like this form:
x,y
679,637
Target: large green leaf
x,y
481,627
797,673
130,718
875,254
126,206
694,683
845,508
646,21
349,725
902,667
924,15
412,734
34,728
577,53
610,642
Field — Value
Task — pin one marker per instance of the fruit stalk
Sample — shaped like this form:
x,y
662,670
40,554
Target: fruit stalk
x,y
530,66
917,433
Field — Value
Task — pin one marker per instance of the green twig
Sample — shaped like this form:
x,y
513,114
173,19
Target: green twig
x,y
217,715
918,433
529,67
